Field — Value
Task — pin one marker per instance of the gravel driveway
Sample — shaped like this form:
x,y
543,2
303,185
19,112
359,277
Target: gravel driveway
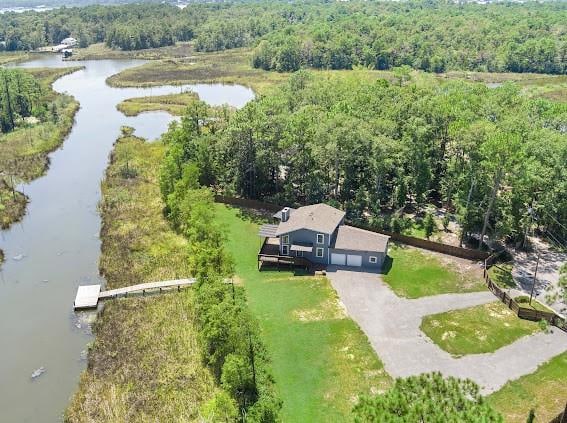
x,y
392,326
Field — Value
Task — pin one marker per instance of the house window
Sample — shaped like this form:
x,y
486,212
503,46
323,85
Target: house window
x,y
285,239
299,253
373,259
285,250
320,239
319,252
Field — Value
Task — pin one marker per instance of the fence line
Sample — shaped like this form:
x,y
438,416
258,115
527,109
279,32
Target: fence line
x,y
512,304
451,250
489,259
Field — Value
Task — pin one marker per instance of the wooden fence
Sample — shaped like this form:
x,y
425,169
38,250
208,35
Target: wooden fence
x,y
561,417
521,312
451,250
467,253
245,202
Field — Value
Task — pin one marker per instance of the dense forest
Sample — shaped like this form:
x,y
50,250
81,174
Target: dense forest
x,y
20,98
429,35
129,27
491,156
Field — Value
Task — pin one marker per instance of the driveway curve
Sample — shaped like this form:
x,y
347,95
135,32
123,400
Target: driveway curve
x,y
392,324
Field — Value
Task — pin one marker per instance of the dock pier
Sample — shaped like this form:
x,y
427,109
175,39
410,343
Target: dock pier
x,y
88,296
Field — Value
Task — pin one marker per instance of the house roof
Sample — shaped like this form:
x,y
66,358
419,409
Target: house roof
x,y
351,238
318,218
278,215
267,230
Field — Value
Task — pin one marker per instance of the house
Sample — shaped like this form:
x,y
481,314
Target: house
x,y
69,42
318,234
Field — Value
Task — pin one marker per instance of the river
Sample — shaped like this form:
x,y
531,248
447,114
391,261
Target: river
x,y
56,247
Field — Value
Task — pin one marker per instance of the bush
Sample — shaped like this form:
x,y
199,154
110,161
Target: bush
x,y
427,398
221,408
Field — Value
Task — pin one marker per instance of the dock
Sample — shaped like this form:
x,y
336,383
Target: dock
x,y
88,296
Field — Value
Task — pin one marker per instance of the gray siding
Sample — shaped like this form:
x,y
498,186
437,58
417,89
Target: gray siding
x,y
310,237
365,257
307,236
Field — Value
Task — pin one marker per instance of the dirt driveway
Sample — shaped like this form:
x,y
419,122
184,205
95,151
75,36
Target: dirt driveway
x,y
392,326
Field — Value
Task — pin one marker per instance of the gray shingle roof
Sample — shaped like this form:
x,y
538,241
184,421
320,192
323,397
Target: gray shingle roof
x,y
318,217
351,238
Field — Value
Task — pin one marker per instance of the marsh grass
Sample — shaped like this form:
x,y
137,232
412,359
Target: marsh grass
x,y
475,330
24,151
145,363
100,51
11,57
231,67
175,104
12,205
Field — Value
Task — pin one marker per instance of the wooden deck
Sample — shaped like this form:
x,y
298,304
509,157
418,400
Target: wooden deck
x,y
269,255
88,296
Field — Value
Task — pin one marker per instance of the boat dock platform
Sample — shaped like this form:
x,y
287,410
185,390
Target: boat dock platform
x,y
88,296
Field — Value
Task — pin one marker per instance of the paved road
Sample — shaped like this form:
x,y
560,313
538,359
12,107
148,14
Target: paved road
x,y
392,326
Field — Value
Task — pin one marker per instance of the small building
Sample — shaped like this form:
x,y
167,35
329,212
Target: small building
x,y
69,42
317,234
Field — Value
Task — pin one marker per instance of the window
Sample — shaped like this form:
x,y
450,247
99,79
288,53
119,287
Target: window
x,y
319,252
299,253
285,250
320,239
373,259
285,239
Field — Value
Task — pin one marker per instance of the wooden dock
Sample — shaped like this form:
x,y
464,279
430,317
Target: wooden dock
x,y
88,296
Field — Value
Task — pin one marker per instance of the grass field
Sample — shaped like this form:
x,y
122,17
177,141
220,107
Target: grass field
x,y
321,360
176,104
413,274
145,363
232,66
545,391
481,329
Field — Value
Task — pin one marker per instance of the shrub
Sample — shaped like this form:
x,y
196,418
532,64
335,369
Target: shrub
x,y
427,398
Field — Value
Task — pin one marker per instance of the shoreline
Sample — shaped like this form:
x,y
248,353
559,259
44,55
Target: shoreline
x,y
38,162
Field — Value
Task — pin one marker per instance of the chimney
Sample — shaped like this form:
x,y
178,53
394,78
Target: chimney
x,y
285,214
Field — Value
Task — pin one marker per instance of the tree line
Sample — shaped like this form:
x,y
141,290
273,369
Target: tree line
x,y
128,27
430,35
20,97
229,335
427,35
379,149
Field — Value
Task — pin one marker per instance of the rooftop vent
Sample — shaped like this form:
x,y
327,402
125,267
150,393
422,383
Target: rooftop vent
x,y
285,214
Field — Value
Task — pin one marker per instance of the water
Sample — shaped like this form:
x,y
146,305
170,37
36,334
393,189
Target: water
x,y
56,246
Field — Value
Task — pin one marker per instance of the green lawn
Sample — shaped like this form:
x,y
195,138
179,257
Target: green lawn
x,y
476,330
413,274
501,275
524,301
321,359
545,391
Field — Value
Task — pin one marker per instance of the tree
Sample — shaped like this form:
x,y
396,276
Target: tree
x,y
429,225
427,398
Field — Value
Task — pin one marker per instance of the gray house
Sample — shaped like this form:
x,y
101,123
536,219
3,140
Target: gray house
x,y
318,233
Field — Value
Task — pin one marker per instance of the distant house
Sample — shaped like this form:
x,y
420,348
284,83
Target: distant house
x,y
318,233
69,42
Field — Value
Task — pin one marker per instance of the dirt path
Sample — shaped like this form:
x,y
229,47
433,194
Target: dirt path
x,y
547,281
392,326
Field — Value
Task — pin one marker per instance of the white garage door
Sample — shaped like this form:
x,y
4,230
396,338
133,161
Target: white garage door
x,y
338,259
354,260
